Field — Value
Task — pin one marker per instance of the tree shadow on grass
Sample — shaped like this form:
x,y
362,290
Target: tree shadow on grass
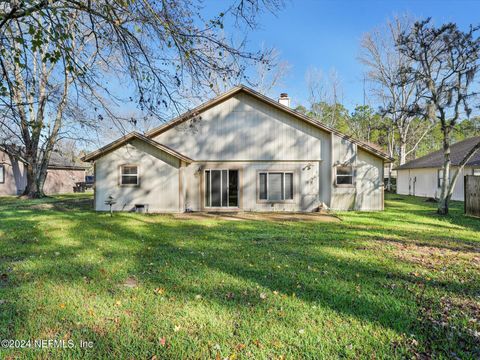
x,y
186,255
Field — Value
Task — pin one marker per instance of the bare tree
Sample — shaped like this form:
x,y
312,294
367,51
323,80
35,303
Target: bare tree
x,y
266,75
270,75
55,70
445,61
324,96
399,97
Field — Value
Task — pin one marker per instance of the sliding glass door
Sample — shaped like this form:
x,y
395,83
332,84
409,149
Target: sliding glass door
x,y
221,188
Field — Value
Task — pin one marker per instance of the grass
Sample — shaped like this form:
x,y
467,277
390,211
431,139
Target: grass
x,y
403,283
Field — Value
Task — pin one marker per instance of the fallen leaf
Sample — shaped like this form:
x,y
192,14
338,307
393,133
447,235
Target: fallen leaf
x,y
118,303
240,347
159,291
257,343
163,341
62,306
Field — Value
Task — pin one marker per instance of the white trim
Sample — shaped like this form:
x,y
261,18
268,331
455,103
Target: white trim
x,y
137,175
352,175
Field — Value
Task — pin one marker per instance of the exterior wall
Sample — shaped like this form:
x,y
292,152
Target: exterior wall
x,y
423,182
305,185
367,191
249,135
15,175
62,181
159,184
243,128
369,182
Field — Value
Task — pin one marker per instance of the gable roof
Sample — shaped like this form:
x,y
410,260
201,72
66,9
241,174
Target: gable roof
x,y
134,135
457,153
242,88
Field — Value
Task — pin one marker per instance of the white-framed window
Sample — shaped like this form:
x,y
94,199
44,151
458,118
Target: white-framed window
x,y
222,188
129,175
275,185
2,174
439,178
476,172
344,175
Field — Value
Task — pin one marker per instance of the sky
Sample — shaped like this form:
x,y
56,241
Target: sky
x,y
325,34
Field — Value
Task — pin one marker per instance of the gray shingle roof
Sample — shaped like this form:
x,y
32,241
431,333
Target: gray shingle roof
x,y
457,153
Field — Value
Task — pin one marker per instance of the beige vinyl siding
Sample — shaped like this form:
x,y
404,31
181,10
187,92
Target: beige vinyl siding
x,y
244,128
159,184
245,134
367,191
369,182
343,152
305,185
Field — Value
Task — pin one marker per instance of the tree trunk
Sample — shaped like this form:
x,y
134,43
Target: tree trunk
x,y
403,150
36,176
444,197
34,188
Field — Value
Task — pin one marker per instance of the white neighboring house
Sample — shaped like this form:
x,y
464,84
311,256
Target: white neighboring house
x,y
423,176
239,151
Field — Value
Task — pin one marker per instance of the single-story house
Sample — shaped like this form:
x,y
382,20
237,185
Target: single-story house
x,y
423,176
239,151
62,174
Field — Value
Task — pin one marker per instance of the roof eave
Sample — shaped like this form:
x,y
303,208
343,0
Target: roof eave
x,y
125,139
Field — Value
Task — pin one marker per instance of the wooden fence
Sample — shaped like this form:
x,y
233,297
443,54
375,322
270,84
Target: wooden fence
x,y
472,195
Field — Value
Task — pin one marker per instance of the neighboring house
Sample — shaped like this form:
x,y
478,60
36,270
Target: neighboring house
x,y
61,174
423,176
239,151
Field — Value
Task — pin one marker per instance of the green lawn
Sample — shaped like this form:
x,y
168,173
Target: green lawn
x,y
400,283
